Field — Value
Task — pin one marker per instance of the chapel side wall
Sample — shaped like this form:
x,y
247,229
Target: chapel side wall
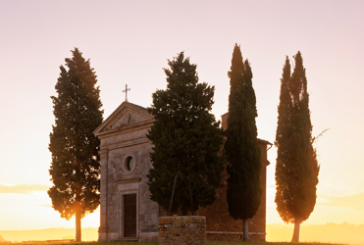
x,y
218,218
258,222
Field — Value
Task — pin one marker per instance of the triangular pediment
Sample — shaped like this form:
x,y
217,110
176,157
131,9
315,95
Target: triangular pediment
x,y
126,115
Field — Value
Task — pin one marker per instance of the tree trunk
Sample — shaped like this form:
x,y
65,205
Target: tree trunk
x,y
296,231
78,226
245,230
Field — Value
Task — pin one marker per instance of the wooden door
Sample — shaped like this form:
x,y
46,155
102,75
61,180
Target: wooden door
x,y
130,215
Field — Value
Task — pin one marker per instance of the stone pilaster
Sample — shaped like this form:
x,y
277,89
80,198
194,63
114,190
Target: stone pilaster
x,y
103,230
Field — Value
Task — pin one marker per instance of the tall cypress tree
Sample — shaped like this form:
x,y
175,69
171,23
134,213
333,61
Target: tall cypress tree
x,y
75,160
297,168
186,140
241,147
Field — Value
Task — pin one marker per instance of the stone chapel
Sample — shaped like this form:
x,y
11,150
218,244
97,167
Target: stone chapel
x,y
126,211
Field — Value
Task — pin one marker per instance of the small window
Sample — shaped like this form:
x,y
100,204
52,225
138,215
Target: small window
x,y
129,163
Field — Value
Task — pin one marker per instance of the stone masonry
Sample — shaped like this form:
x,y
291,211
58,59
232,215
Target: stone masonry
x,y
182,230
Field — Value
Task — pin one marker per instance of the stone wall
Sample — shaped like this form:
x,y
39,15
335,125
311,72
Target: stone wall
x,y
182,230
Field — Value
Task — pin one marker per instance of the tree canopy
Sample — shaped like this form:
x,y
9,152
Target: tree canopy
x,y
297,168
186,138
241,147
75,163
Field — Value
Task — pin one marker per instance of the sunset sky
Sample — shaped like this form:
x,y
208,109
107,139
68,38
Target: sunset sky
x,y
129,42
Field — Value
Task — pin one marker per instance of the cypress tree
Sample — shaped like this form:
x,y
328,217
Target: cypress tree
x,y
241,147
186,139
297,168
75,160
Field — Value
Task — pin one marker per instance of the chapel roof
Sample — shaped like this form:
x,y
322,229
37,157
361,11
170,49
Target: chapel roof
x,y
126,103
116,115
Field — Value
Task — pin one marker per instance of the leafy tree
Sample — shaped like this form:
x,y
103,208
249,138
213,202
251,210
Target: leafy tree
x,y
75,163
241,147
297,168
186,139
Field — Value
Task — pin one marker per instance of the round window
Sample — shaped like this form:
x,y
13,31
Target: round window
x,y
129,163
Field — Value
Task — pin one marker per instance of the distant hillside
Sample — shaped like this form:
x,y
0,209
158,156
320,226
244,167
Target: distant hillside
x,y
330,232
88,234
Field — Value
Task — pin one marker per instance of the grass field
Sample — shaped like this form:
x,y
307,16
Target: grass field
x,y
155,243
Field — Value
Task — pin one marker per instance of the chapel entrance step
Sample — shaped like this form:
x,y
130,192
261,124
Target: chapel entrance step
x,y
127,239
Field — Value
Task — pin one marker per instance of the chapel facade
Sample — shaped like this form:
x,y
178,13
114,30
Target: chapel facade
x,y
126,211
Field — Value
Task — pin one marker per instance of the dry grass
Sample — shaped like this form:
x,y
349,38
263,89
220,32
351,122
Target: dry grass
x,y
155,243
267,243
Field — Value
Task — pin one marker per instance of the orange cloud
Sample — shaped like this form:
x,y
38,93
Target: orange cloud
x,y
22,189
354,202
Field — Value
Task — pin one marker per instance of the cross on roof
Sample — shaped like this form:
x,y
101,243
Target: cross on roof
x,y
126,92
